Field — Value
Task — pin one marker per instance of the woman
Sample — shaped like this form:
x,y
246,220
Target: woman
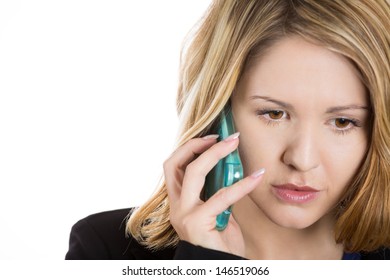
x,y
308,84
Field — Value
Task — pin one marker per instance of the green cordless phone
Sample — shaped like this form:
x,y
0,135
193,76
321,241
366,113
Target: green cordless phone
x,y
227,171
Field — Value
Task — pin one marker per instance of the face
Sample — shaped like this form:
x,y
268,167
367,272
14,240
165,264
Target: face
x,y
303,115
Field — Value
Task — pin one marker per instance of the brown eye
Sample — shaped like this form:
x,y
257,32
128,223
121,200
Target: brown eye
x,y
342,123
276,115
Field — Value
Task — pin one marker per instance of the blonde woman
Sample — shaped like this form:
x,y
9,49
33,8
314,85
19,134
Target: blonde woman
x,y
308,85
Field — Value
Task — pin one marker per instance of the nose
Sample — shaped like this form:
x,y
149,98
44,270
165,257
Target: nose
x,y
302,150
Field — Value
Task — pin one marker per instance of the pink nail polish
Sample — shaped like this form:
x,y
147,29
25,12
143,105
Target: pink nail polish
x,y
258,173
232,137
211,136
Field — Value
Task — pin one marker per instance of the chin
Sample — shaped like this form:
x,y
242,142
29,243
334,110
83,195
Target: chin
x,y
292,219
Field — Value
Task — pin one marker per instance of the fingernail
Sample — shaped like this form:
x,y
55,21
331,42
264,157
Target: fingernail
x,y
211,136
258,173
232,137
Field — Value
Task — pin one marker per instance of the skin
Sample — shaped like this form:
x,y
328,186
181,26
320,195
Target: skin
x,y
302,113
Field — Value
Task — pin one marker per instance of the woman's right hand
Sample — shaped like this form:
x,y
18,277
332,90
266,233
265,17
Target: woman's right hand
x,y
193,219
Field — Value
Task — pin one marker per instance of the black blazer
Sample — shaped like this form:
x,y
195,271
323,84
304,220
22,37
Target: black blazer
x,y
102,236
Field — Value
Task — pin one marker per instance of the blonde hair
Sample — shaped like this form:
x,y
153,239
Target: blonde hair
x,y
234,31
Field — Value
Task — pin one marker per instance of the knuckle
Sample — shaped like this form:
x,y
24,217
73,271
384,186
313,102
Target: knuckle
x,y
194,170
222,194
192,142
191,168
219,152
167,164
222,149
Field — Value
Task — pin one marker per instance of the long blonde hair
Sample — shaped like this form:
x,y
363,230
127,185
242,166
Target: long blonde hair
x,y
234,31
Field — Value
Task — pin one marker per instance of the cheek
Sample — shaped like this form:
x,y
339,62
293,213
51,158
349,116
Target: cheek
x,y
342,160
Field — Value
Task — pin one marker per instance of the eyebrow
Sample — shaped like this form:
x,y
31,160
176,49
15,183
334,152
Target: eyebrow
x,y
290,107
278,102
343,108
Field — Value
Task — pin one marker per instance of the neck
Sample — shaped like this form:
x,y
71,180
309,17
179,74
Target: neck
x,y
266,240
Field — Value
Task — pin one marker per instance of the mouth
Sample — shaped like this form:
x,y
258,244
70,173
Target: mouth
x,y
291,193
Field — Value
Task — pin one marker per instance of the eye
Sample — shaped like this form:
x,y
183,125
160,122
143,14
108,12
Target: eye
x,y
272,115
342,122
344,125
275,115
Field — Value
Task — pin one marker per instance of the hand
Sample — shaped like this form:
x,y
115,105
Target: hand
x,y
192,218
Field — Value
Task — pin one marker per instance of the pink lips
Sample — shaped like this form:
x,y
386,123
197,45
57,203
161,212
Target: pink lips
x,y
295,194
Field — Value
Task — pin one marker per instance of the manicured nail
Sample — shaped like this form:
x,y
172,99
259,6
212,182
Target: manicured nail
x,y
232,137
258,173
211,136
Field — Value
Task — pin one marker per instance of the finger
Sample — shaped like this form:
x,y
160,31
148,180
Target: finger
x,y
227,196
196,171
173,183
175,165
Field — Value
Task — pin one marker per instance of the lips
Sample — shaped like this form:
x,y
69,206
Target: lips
x,y
291,193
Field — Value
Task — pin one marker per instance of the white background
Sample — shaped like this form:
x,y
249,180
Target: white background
x,y
87,111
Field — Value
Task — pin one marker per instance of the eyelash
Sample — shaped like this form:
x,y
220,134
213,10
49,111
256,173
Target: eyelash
x,y
354,122
263,112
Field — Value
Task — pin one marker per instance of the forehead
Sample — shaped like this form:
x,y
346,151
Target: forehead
x,y
294,67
